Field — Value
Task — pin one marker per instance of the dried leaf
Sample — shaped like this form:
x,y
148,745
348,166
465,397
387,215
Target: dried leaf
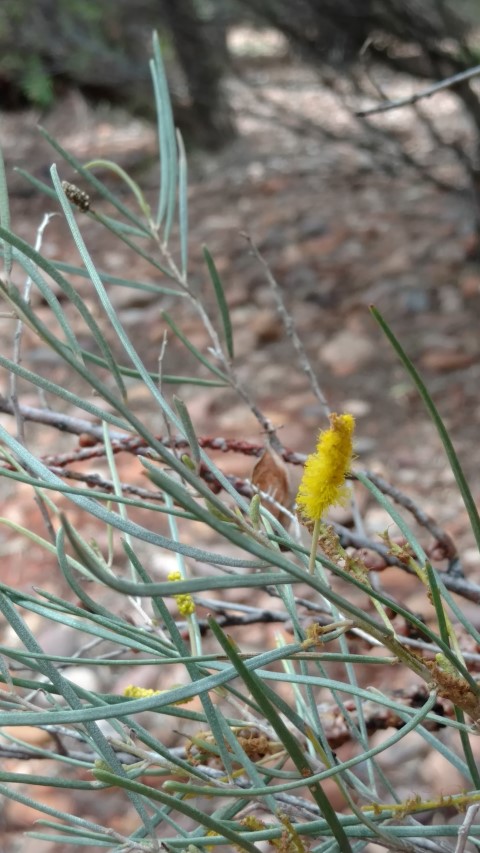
x,y
270,476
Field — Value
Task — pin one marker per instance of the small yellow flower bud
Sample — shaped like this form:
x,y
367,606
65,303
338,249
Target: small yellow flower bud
x,y
174,576
185,602
133,692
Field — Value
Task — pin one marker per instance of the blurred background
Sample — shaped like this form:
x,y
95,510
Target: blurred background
x,y
100,48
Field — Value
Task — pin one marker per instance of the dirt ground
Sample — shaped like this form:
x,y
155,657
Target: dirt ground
x,y
339,231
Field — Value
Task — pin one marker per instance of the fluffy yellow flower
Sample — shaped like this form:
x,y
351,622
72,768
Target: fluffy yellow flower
x,y
133,692
323,481
185,602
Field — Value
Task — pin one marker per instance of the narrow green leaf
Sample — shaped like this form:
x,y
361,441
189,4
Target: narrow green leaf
x,y
131,184
71,830
420,626
387,505
116,226
24,249
46,781
112,518
146,590
186,420
184,498
94,182
166,139
63,393
47,190
412,724
84,553
5,217
126,342
195,673
193,349
51,300
130,283
107,627
438,604
40,186
293,747
140,503
222,302
27,315
121,707
460,478
470,758
198,817
51,838
65,688
92,273
119,232
12,794
182,204
168,379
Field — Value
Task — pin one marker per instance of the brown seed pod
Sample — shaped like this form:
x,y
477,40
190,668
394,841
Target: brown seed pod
x,y
77,196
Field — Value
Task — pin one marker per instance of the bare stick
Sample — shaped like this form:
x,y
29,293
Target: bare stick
x,y
17,357
465,827
62,422
17,341
424,93
217,349
287,321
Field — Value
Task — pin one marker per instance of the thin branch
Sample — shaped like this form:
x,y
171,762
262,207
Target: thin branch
x,y
464,830
377,717
17,340
440,536
217,349
58,420
17,358
287,321
124,443
95,481
424,93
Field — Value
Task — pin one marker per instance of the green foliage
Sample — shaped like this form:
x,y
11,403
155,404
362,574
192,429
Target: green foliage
x,y
70,40
36,83
258,733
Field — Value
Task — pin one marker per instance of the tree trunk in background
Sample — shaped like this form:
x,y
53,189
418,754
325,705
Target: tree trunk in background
x,y
333,31
103,48
202,63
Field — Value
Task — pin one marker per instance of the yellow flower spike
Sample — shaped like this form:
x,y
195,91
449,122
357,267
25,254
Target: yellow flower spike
x,y
185,602
323,481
